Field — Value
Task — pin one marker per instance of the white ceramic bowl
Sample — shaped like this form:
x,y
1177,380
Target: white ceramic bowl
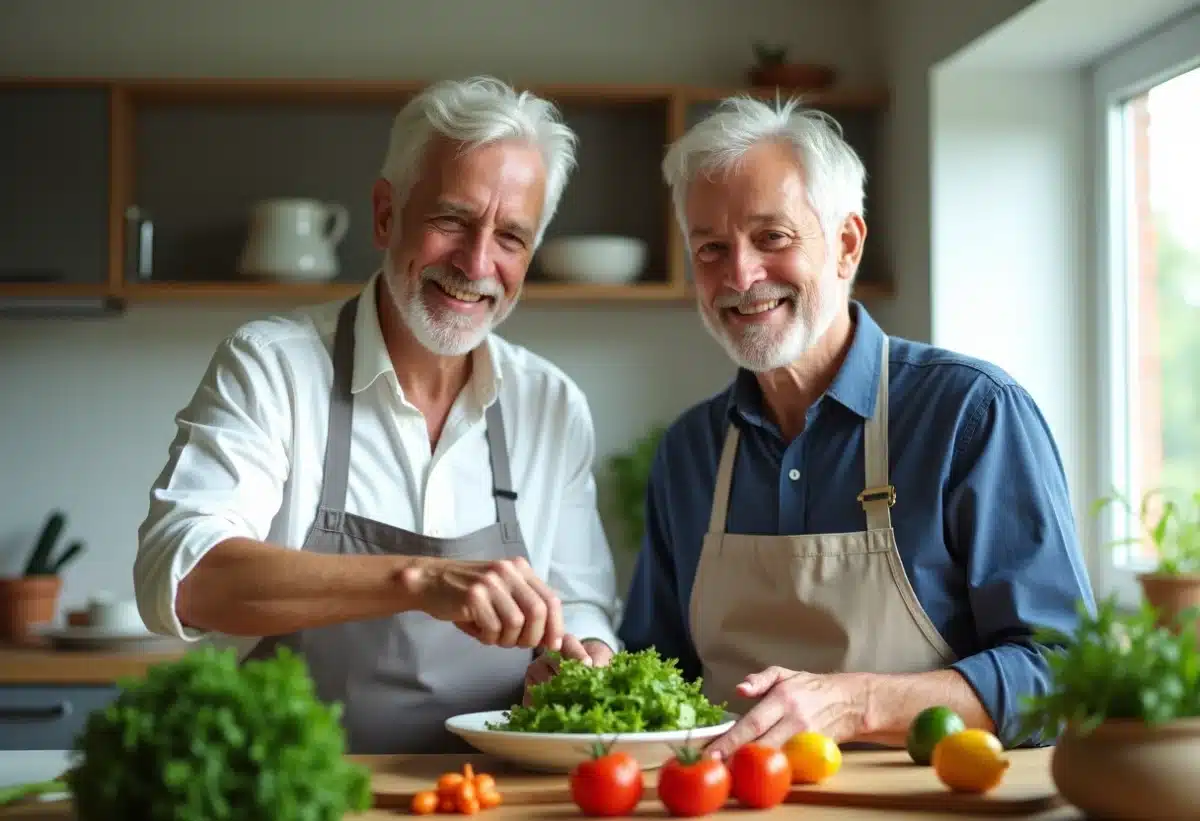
x,y
560,752
609,260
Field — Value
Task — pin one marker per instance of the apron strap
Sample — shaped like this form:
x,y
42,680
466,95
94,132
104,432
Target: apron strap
x,y
341,407
878,496
720,508
502,484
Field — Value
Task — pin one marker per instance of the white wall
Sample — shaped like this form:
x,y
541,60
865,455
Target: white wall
x,y
87,406
1010,210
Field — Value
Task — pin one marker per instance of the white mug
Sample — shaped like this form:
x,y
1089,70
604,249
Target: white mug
x,y
115,615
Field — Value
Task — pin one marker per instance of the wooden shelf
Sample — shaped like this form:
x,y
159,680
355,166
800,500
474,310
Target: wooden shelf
x,y
197,153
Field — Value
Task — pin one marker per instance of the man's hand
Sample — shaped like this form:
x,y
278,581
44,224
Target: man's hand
x,y
792,702
500,602
592,652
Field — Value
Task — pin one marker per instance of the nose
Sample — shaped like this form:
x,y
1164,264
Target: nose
x,y
474,257
745,267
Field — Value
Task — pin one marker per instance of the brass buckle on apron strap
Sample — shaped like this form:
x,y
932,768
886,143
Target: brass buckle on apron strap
x,y
878,494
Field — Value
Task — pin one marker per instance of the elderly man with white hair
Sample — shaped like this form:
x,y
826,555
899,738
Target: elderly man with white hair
x,y
860,526
384,485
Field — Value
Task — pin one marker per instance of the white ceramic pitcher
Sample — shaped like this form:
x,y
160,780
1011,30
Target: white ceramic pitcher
x,y
294,239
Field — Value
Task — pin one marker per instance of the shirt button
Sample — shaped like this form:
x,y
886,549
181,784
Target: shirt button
x,y
793,474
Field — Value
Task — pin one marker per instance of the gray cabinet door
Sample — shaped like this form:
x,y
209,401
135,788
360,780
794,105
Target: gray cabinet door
x,y
47,717
54,184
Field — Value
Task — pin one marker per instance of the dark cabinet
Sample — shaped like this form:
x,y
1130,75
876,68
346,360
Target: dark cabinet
x,y
54,184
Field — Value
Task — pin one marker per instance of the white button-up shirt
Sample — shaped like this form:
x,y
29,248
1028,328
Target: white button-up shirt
x,y
248,458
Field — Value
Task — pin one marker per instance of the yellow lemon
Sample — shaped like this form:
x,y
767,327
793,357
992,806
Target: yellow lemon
x,y
813,757
970,761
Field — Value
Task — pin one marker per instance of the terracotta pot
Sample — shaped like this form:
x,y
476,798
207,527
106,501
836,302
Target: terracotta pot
x,y
796,76
1171,594
25,602
1127,770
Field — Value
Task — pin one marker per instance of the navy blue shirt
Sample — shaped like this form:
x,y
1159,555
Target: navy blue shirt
x,y
982,518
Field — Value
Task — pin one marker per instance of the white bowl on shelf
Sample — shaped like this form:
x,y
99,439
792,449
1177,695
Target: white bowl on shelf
x,y
596,259
560,752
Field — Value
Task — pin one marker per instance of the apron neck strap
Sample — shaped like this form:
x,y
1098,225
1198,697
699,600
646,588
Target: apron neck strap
x,y
341,407
879,495
502,484
720,508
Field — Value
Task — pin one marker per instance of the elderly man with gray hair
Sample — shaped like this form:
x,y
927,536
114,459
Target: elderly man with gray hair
x,y
860,526
383,484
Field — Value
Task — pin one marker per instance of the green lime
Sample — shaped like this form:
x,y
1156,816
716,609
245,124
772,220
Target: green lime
x,y
929,727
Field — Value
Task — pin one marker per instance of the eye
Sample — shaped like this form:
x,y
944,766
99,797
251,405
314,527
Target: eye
x,y
449,222
774,239
709,252
512,242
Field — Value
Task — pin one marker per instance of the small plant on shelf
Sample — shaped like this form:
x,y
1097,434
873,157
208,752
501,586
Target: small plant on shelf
x,y
768,55
1172,527
43,562
1123,706
31,598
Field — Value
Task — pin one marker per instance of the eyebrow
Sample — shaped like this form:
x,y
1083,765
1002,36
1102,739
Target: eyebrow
x,y
705,231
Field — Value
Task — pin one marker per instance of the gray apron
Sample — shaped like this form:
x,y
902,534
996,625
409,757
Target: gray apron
x,y
399,678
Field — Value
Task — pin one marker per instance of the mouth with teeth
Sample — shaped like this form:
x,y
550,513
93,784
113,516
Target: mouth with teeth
x,y
759,311
460,299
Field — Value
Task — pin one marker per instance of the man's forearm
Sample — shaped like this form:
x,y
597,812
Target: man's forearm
x,y
891,702
246,588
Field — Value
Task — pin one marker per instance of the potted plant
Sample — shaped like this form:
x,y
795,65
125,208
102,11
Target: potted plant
x,y
771,68
1123,703
32,597
629,474
1173,528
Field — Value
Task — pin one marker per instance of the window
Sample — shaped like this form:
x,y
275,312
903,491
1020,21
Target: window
x,y
1148,288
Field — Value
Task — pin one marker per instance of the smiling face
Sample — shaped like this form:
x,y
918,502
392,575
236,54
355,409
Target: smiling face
x,y
768,282
457,250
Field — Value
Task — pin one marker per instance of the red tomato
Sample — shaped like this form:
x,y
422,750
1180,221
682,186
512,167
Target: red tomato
x,y
607,784
691,785
762,776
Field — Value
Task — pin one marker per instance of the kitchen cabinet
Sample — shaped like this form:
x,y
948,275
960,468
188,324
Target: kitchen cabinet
x,y
94,162
48,717
54,186
46,695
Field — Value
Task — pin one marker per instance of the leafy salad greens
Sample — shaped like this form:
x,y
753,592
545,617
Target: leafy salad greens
x,y
635,693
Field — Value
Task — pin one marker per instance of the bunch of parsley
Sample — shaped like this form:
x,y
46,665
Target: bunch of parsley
x,y
204,738
635,693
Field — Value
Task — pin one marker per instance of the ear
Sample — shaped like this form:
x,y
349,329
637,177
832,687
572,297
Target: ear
x,y
383,214
850,245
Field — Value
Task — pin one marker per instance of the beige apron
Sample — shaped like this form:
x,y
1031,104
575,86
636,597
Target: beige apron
x,y
822,603
399,678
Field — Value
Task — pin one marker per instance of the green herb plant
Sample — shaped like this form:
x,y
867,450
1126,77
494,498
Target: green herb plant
x,y
204,738
1174,529
635,693
630,475
1117,665
41,561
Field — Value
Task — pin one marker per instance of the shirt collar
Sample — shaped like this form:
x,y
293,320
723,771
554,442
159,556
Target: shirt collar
x,y
372,360
854,386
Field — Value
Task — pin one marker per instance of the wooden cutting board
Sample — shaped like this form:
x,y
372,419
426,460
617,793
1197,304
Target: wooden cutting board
x,y
879,780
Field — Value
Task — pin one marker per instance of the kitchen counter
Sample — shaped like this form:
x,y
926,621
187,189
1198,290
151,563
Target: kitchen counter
x,y
42,665
19,767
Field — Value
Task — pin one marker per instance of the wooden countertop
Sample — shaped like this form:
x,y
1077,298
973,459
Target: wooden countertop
x,y
35,664
880,774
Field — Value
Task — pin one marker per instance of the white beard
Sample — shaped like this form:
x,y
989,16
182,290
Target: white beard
x,y
445,333
760,348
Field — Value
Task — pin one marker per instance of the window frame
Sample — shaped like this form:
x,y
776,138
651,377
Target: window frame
x,y
1135,68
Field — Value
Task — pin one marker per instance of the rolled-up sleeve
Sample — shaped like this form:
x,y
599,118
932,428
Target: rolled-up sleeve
x,y
223,478
1009,517
654,615
581,570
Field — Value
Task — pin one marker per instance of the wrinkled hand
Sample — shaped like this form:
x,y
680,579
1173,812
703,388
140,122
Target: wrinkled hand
x,y
592,652
791,702
500,602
